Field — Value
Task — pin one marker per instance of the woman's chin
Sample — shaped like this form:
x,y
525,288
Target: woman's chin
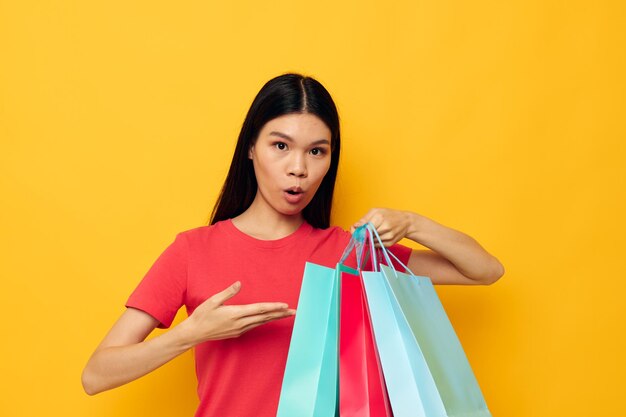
x,y
292,209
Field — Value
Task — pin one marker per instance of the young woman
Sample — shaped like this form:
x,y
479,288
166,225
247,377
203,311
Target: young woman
x,y
272,216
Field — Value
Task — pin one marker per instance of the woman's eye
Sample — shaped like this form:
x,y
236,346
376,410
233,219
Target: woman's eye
x,y
317,151
281,145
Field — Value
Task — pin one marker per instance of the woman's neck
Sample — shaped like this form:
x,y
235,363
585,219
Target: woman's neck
x,y
261,221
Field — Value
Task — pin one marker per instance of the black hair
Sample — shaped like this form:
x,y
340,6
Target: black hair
x,y
285,94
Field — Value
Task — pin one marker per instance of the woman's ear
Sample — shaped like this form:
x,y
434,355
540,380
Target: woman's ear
x,y
250,151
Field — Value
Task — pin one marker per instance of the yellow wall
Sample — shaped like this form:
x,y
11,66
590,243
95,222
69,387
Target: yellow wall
x,y
501,119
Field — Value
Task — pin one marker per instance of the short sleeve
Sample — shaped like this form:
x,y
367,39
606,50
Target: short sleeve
x,y
162,290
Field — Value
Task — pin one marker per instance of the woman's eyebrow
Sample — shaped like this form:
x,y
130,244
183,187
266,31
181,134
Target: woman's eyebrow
x,y
290,139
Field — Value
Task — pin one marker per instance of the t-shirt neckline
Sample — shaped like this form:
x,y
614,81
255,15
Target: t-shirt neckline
x,y
302,231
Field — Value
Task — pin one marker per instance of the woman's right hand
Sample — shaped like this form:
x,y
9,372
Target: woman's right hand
x,y
213,320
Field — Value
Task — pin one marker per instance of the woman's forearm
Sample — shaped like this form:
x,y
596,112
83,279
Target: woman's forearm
x,y
112,366
471,259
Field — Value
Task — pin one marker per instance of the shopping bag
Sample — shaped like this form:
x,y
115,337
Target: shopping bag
x,y
456,384
361,384
410,385
312,375
426,370
310,381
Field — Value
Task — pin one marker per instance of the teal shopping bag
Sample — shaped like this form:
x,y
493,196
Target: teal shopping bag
x,y
426,370
310,381
424,314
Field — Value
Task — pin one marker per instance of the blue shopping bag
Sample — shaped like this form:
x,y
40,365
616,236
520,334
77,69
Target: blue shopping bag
x,y
425,368
310,381
411,388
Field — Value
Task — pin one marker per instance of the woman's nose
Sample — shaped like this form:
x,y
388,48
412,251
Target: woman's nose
x,y
297,167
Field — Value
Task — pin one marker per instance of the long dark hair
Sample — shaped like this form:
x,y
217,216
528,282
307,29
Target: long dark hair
x,y
285,94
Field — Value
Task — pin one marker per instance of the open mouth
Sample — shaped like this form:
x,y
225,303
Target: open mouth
x,y
294,195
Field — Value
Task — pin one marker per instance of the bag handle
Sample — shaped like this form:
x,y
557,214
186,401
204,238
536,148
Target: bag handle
x,y
373,232
369,238
357,243
361,237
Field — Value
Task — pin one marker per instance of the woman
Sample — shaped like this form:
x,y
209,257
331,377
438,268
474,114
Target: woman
x,y
273,215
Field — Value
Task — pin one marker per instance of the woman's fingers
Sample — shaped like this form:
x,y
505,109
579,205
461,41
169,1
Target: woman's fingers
x,y
377,219
389,238
391,225
251,321
243,324
246,310
219,298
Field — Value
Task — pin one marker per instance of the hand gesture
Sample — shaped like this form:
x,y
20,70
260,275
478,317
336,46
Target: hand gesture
x,y
212,320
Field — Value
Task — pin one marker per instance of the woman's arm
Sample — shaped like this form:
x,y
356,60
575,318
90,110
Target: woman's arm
x,y
454,258
124,355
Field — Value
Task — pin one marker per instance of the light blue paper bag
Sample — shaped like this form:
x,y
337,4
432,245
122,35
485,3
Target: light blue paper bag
x,y
426,370
457,386
411,388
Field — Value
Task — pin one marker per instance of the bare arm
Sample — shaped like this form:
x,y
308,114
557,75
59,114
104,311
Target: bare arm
x,y
124,355
454,258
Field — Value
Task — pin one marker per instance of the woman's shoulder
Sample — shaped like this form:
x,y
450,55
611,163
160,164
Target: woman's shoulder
x,y
201,233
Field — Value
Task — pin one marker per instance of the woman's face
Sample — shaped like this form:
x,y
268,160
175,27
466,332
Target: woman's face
x,y
291,157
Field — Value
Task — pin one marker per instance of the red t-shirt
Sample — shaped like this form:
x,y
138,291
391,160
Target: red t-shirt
x,y
241,376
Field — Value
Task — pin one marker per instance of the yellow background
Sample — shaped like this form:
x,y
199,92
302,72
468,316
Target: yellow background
x,y
501,119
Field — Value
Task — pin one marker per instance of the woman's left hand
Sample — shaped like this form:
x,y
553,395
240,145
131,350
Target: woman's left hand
x,y
453,257
391,225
